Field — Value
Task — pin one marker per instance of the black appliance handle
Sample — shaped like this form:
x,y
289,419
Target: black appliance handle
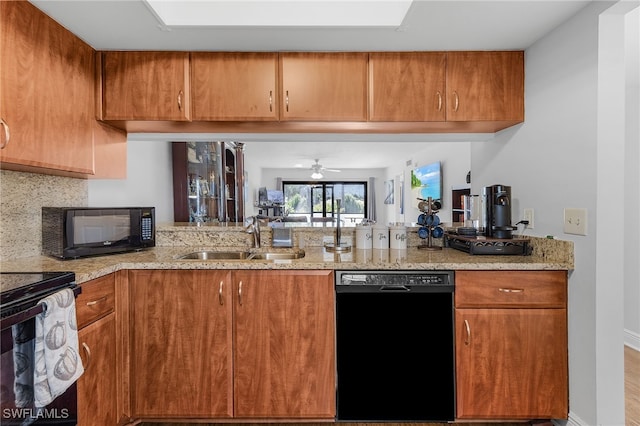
x,y
394,288
29,313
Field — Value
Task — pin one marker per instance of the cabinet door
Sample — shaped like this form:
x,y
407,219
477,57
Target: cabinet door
x,y
46,92
284,344
485,86
511,363
234,86
181,343
97,394
145,86
323,86
407,86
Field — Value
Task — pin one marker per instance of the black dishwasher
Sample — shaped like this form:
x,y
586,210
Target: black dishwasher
x,y
395,346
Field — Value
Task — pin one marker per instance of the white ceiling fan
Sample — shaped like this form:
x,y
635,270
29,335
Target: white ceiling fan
x,y
318,168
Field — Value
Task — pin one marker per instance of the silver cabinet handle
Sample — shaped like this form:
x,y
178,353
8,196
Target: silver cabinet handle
x,y
287,100
88,352
7,135
220,293
240,293
180,94
457,102
439,100
270,100
467,340
511,290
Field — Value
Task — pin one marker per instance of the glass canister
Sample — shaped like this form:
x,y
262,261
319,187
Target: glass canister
x,y
398,237
380,236
472,211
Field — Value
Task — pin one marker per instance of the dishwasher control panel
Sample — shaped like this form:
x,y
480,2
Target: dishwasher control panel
x,y
394,278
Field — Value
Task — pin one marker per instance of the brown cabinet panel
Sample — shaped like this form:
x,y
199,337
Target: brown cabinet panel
x,y
97,394
407,86
323,86
234,86
284,344
511,344
511,289
485,86
46,92
511,363
145,86
96,300
181,343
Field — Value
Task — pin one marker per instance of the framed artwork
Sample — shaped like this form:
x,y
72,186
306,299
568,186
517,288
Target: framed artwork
x,y
388,191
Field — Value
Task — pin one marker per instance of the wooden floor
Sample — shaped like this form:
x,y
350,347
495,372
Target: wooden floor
x,y
631,392
632,386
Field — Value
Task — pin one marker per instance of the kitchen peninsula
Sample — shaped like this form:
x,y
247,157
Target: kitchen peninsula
x,y
155,305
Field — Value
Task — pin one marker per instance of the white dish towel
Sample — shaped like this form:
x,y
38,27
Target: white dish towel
x,y
57,360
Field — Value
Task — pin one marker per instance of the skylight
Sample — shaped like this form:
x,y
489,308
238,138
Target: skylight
x,y
280,13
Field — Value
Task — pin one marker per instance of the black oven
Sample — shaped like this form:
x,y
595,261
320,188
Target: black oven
x,y
21,294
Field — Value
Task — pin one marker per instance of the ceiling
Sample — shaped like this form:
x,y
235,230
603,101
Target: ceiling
x,y
428,25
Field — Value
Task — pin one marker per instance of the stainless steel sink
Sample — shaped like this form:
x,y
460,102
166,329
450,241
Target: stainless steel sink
x,y
299,254
216,255
242,255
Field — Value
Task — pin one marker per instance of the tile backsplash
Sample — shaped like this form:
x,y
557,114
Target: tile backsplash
x,y
22,195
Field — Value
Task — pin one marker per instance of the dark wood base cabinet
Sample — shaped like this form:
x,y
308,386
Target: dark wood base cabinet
x,y
511,345
235,345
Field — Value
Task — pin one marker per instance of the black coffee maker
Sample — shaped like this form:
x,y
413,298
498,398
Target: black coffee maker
x,y
498,211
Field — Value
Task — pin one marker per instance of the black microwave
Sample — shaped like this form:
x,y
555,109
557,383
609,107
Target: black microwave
x,y
73,232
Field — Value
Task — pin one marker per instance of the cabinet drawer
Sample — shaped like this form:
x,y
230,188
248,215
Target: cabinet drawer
x,y
511,289
96,300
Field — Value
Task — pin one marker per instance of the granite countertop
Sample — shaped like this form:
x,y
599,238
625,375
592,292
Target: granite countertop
x,y
178,239
315,258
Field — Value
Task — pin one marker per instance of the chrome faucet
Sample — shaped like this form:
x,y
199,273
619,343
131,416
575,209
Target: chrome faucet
x,y
337,246
254,228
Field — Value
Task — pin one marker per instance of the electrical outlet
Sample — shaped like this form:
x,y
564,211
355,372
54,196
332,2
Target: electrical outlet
x,y
528,215
575,221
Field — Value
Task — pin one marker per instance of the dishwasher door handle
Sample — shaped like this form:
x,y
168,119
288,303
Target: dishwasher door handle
x,y
394,288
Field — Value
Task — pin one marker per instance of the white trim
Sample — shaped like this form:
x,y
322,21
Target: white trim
x,y
632,339
573,421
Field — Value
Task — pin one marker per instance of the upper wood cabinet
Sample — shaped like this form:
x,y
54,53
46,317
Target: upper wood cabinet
x,y
323,86
46,93
511,344
485,86
407,86
234,86
145,86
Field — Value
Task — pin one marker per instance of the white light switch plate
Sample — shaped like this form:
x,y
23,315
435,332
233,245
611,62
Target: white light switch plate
x,y
575,221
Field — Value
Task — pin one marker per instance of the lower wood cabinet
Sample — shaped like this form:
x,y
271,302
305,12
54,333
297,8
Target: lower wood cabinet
x,y
97,387
511,344
241,344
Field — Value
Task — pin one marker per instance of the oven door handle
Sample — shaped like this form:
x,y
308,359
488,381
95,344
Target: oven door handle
x,y
30,313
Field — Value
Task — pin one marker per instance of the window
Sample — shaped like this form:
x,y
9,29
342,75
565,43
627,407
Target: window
x,y
316,200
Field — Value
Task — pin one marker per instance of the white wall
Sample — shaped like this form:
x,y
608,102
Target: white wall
x,y
632,182
455,159
560,158
149,181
